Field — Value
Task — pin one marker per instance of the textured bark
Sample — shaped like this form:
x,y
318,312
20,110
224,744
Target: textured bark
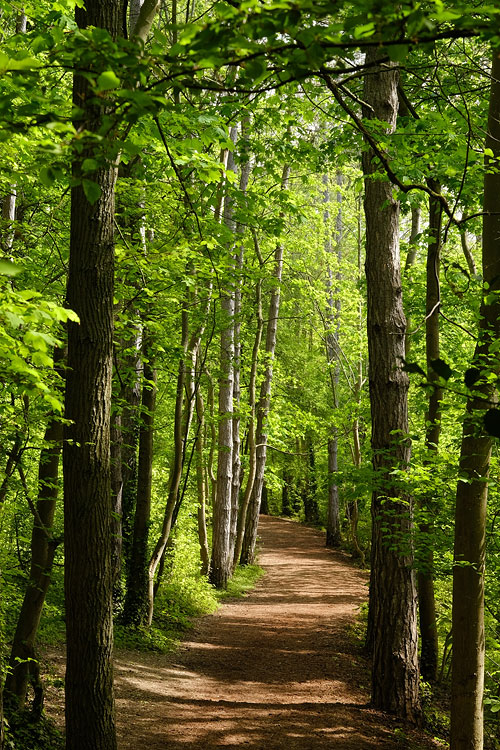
x,y
126,446
425,577
333,533
174,476
472,488
221,561
240,231
252,450
136,601
392,623
252,523
116,500
87,493
201,484
410,260
43,547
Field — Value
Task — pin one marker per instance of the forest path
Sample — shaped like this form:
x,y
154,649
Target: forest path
x,y
275,670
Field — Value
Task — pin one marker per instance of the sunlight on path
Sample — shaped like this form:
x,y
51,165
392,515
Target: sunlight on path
x,y
277,669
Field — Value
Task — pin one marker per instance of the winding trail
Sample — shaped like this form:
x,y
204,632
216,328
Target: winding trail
x,y
277,670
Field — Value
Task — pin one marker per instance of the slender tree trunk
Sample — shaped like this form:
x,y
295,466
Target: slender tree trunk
x,y
252,450
411,257
23,666
250,537
175,473
116,500
136,601
425,577
472,488
333,533
221,561
236,469
392,610
201,484
8,219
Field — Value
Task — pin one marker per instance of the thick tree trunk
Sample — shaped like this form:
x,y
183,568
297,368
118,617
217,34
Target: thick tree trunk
x,y
252,523
425,577
90,723
136,601
472,488
392,611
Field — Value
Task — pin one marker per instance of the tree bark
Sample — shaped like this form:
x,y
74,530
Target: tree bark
x,y
333,533
250,537
472,488
392,627
221,561
425,576
90,721
136,601
43,546
240,231
252,450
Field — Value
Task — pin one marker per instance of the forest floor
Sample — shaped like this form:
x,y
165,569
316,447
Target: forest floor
x,y
279,669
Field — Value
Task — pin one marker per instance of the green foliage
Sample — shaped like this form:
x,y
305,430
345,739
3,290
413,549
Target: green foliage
x,y
24,732
243,581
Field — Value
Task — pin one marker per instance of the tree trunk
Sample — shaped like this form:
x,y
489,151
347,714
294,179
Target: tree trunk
x,y
333,533
252,451
90,722
201,484
116,501
136,601
43,547
410,260
221,561
472,488
236,469
175,473
392,627
425,577
250,537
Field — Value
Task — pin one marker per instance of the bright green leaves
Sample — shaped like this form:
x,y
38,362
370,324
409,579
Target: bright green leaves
x,y
108,80
29,330
92,190
8,268
22,61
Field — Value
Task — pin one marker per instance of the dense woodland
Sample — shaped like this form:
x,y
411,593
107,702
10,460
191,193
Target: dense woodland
x,y
250,261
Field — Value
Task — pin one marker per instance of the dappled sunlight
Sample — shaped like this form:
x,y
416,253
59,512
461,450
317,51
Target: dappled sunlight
x,y
274,669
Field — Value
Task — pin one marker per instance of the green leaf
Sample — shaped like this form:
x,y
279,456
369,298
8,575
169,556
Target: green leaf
x,y
47,176
92,191
89,165
471,376
441,368
412,367
108,80
491,421
8,268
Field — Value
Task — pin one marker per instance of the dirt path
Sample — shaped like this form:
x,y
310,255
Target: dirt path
x,y
274,671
